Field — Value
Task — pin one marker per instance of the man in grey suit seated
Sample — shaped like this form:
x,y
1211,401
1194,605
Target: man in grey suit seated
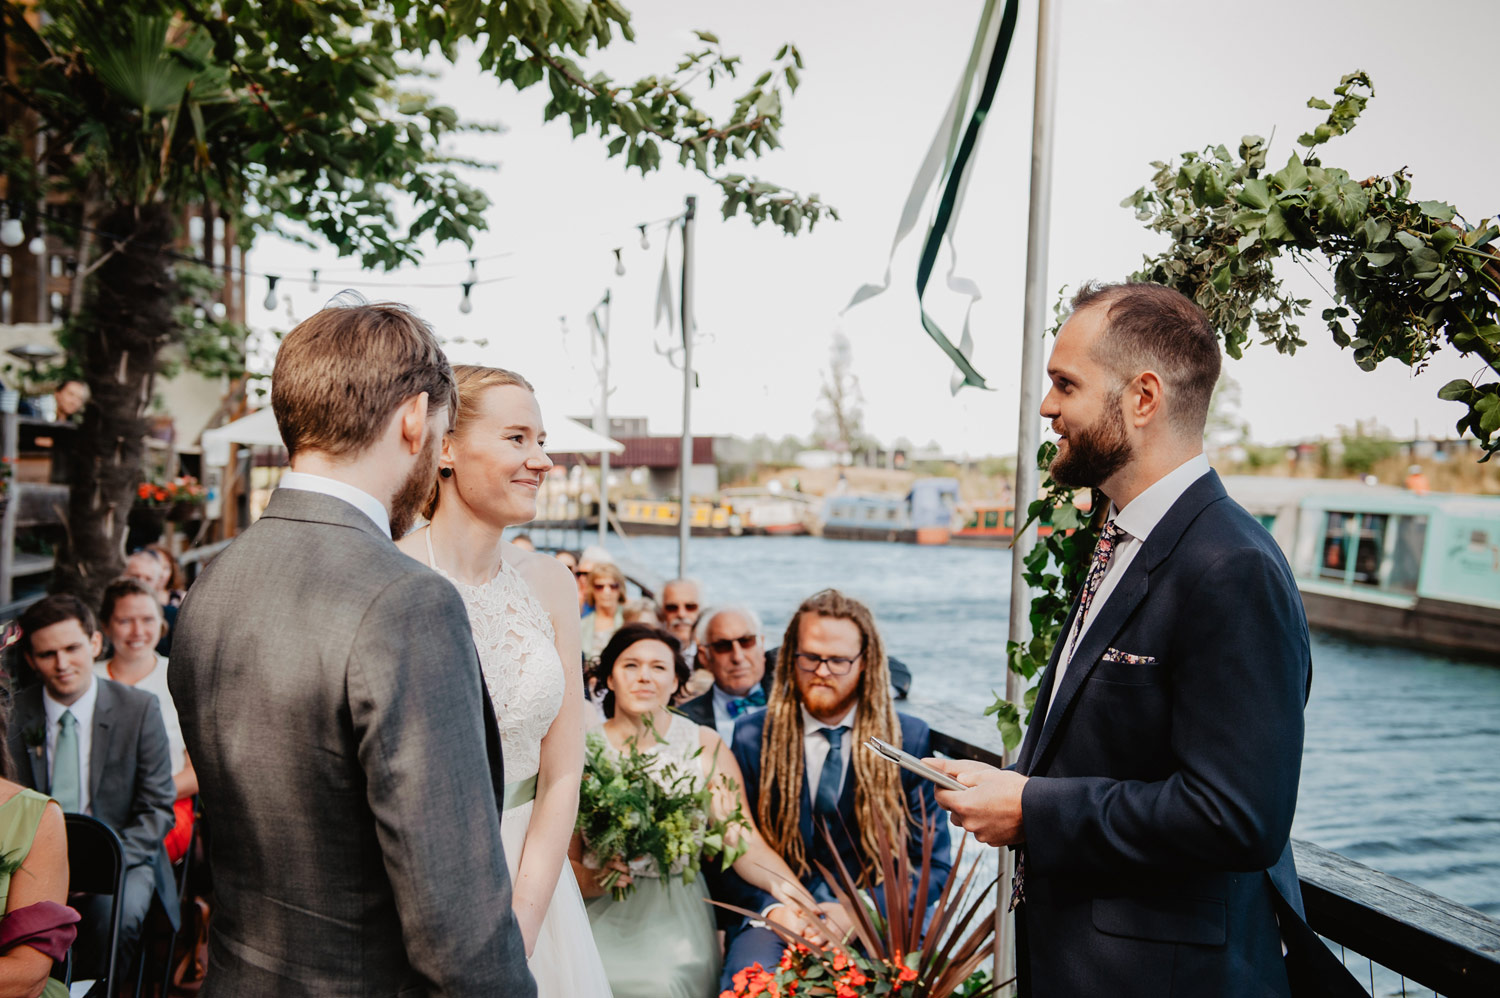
x,y
331,699
100,748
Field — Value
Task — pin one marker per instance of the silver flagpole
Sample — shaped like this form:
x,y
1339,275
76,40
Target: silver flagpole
x,y
685,463
1028,437
603,428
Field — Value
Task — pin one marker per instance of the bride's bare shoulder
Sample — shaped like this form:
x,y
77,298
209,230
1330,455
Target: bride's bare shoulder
x,y
547,576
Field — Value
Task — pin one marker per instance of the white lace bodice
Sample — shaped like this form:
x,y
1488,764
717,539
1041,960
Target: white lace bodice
x,y
518,656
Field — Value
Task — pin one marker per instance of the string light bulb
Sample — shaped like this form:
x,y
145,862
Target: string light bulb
x,y
473,277
11,233
312,285
645,243
38,245
619,264
466,304
271,297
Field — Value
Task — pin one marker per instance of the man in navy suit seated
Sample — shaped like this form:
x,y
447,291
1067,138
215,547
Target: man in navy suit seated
x,y
805,767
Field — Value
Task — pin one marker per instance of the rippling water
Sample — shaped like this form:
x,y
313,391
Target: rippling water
x,y
1402,763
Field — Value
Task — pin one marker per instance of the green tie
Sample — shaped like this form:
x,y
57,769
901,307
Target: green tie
x,y
65,782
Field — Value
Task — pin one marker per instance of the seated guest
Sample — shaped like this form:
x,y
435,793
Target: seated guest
x,y
731,645
640,611
805,768
659,941
151,569
74,721
607,583
37,927
131,619
171,588
680,600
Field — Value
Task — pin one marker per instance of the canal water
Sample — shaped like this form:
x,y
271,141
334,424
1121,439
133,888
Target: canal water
x,y
1401,769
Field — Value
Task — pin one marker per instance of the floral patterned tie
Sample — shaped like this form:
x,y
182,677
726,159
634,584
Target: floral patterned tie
x,y
1109,537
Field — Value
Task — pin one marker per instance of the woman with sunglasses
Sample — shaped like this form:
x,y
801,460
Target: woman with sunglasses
x,y
607,583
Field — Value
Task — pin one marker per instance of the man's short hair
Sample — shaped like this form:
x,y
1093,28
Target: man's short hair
x,y
341,373
55,609
1153,327
707,617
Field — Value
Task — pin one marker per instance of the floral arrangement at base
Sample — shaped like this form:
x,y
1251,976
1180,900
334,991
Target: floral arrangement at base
x,y
891,954
624,812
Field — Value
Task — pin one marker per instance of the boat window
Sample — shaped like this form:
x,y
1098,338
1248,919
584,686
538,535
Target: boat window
x,y
1334,560
1404,560
991,518
1367,555
893,513
1267,520
971,519
1010,518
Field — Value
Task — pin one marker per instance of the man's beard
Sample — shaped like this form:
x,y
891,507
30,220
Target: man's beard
x,y
1095,452
415,491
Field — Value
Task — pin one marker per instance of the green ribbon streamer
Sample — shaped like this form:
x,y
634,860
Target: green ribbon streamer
x,y
519,793
951,190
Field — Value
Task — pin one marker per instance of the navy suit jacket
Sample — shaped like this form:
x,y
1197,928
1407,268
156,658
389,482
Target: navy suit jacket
x,y
1163,777
921,806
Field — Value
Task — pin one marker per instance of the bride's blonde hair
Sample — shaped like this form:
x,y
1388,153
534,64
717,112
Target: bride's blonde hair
x,y
473,381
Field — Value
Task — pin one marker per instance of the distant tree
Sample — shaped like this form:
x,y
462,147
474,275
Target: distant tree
x,y
298,118
1364,446
839,420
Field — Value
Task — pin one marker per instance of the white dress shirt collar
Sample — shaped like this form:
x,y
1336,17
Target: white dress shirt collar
x,y
815,748
358,498
82,708
1146,510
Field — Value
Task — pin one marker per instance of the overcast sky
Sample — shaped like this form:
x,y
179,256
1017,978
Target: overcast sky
x,y
1138,81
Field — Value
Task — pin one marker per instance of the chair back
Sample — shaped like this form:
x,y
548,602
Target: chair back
x,y
96,866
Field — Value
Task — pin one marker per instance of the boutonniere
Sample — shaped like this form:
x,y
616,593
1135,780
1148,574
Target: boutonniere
x,y
36,737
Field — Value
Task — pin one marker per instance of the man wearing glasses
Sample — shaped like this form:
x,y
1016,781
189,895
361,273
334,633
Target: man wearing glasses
x,y
731,646
680,600
805,770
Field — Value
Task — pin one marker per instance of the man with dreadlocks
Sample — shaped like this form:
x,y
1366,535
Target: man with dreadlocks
x,y
805,769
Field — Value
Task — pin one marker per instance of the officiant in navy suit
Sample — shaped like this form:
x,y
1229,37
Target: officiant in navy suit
x,y
1151,804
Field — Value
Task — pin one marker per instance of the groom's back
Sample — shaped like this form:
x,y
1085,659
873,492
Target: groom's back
x,y
300,658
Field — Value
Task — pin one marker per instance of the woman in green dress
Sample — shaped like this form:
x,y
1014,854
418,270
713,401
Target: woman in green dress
x,y
660,941
36,928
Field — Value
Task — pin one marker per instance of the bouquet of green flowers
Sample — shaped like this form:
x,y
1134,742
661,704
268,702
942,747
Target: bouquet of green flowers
x,y
633,806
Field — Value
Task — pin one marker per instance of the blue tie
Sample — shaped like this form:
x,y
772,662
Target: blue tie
x,y
740,705
827,803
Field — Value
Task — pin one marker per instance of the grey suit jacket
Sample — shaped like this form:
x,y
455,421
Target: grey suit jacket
x,y
349,767
130,772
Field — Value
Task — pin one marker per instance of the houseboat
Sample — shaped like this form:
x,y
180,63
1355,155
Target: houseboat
x,y
991,523
1386,564
756,511
660,516
924,515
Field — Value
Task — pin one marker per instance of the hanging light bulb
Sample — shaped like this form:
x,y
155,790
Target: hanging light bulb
x,y
466,304
11,233
473,277
645,243
312,285
619,265
37,246
271,298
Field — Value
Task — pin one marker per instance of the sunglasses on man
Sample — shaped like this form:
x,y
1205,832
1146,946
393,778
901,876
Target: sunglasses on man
x,y
724,646
675,607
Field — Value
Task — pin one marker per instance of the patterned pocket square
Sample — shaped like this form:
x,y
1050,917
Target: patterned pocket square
x,y
1116,655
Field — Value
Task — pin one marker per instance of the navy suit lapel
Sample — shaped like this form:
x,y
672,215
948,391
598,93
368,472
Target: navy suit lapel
x,y
1043,698
99,754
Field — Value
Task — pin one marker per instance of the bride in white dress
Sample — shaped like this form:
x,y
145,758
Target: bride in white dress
x,y
523,608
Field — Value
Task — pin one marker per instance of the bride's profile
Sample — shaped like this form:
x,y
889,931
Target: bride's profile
x,y
523,609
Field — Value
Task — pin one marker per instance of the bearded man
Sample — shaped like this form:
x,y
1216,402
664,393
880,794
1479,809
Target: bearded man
x,y
331,699
806,769
1151,803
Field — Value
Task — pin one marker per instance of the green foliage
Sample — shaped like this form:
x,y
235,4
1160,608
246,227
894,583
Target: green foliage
x,y
1365,447
1408,276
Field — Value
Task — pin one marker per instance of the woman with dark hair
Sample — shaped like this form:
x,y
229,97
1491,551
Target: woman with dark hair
x,y
660,940
37,927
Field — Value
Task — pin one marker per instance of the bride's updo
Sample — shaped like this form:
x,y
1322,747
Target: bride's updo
x,y
473,380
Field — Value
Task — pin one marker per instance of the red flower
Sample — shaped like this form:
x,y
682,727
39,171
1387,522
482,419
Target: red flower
x,y
840,961
907,974
144,491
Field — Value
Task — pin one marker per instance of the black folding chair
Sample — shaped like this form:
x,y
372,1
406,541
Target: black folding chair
x,y
96,868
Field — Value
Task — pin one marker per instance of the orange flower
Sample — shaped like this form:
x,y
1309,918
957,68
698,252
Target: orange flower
x,y
840,961
907,974
857,979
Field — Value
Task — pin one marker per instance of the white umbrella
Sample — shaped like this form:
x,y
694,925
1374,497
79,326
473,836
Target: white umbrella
x,y
564,436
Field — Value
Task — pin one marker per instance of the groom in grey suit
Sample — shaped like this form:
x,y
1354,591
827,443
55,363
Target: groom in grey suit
x,y
331,700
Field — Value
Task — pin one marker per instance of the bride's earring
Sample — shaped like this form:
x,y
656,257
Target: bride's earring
x,y
446,472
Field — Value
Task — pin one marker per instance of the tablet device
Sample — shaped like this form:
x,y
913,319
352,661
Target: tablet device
x,y
910,762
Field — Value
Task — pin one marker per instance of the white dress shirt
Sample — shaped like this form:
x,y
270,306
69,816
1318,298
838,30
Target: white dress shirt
x,y
82,710
723,723
156,682
815,749
358,498
1137,519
